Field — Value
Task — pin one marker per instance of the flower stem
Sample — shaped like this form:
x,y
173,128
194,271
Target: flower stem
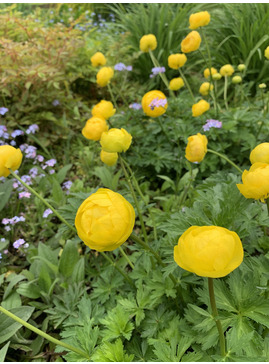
x,y
43,200
187,84
225,158
111,94
225,91
215,315
43,334
267,203
126,257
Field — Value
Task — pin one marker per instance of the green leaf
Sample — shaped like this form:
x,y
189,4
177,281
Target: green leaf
x,y
69,258
117,324
5,192
14,279
109,352
63,172
78,273
3,352
29,289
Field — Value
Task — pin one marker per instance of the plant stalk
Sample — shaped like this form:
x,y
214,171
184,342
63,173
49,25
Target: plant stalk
x,y
225,91
126,257
225,158
187,84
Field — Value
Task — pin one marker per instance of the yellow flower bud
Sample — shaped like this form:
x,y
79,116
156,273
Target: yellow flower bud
x,y
255,182
207,72
200,108
266,52
150,99
200,19
205,88
260,154
94,128
191,42
241,67
104,76
216,76
105,220
227,70
209,251
10,158
237,79
104,109
262,85
108,158
196,148
176,84
175,61
115,140
98,59
148,43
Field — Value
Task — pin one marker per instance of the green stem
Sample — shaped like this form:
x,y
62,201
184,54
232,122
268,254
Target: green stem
x,y
186,189
126,257
215,315
225,158
111,94
187,84
43,334
43,200
225,91
267,203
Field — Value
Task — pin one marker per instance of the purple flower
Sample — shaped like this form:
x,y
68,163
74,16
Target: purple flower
x,y
156,70
32,129
5,221
135,106
7,228
157,103
67,185
33,172
24,194
52,171
0,256
211,123
18,243
50,163
30,152
47,212
5,251
129,68
16,133
3,132
26,179
120,66
13,143
55,102
3,110
40,158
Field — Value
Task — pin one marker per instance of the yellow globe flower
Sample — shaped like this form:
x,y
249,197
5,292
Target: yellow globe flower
x,y
266,52
10,158
94,128
176,84
241,67
175,61
262,85
217,76
237,79
207,72
260,154
255,182
227,70
205,88
209,251
116,140
148,43
104,76
191,42
98,59
105,220
108,158
104,109
196,148
150,102
200,19
200,108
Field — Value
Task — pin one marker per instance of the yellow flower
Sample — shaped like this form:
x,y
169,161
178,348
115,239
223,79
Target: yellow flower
x,y
209,251
148,43
260,154
205,88
196,148
266,52
98,59
177,60
216,76
176,83
116,140
262,85
191,42
237,79
199,19
94,128
103,108
10,158
104,76
105,220
241,67
200,108
108,158
255,182
207,72
152,98
227,70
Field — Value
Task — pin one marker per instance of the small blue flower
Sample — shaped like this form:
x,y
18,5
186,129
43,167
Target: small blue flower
x,y
3,110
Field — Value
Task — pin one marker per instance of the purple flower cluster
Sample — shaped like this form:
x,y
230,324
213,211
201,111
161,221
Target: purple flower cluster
x,y
3,110
156,70
157,103
14,220
121,67
18,243
211,123
135,106
3,132
47,212
32,129
16,133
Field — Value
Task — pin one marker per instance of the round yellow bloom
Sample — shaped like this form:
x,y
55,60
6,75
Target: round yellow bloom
x,y
207,72
176,84
10,158
266,52
152,98
205,88
227,70
191,42
148,43
200,108
108,158
177,60
94,128
262,85
105,220
116,140
255,182
237,79
104,76
241,67
209,251
260,154
199,19
196,148
98,59
217,76
103,108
